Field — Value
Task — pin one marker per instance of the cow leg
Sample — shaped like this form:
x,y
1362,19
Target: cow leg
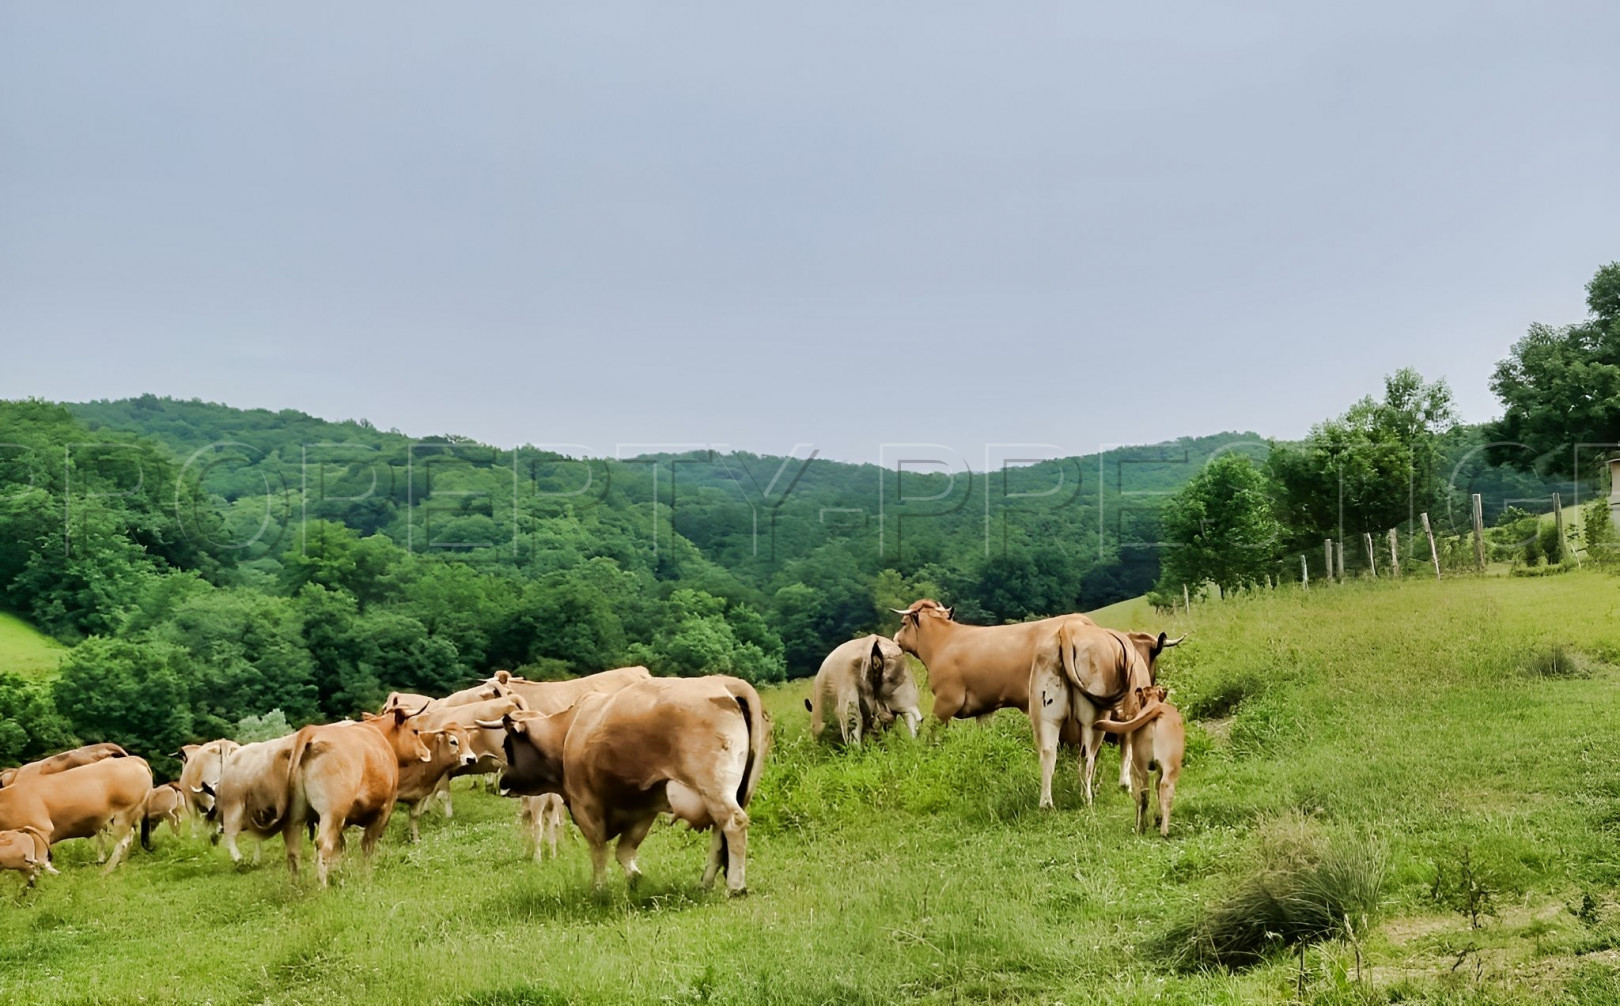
x,y
598,863
629,842
1048,708
413,814
717,848
1090,747
329,847
735,826
1141,777
292,838
123,833
441,794
1125,745
1167,796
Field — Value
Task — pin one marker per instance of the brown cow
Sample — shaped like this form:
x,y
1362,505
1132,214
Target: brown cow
x,y
974,670
419,780
868,683
555,696
482,692
252,792
86,755
80,802
346,774
1079,672
692,746
26,851
164,803
199,781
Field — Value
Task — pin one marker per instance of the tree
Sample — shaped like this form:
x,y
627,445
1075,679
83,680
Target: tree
x,y
130,693
1222,527
30,726
1370,469
1560,387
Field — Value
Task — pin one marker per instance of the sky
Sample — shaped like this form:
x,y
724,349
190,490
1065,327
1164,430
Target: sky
x,y
835,226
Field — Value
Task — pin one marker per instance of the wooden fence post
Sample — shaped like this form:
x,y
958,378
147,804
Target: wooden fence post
x,y
1394,554
1372,561
1558,522
1338,560
1186,600
1433,552
1479,533
1327,559
1304,575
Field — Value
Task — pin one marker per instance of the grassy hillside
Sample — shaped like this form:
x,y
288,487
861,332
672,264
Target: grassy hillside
x,y
1419,720
24,650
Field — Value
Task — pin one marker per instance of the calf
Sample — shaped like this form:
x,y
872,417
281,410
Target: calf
x,y
80,802
541,818
26,851
164,803
692,746
449,750
1158,737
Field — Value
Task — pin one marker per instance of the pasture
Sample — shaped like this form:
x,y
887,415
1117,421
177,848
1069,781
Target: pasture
x,y
1422,721
26,651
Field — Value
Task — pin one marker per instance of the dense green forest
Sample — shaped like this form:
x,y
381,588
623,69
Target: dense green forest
x,y
212,564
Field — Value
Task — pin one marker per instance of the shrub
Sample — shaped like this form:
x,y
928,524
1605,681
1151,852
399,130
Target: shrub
x,y
1558,661
1299,889
1464,887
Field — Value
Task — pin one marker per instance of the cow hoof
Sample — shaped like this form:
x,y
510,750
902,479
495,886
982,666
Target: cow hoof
x,y
736,892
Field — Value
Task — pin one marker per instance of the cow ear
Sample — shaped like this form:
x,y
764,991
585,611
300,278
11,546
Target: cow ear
x,y
400,715
503,676
950,613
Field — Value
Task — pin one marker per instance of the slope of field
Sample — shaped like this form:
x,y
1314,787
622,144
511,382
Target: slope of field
x,y
24,650
1425,718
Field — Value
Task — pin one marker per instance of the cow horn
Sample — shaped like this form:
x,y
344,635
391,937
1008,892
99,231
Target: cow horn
x,y
422,710
901,611
491,724
198,789
1175,642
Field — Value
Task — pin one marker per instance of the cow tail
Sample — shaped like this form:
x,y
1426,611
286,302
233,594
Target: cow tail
x,y
759,738
1066,655
1130,726
284,797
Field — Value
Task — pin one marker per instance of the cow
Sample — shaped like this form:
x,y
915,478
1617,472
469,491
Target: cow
x,y
488,758
868,683
482,692
555,696
449,750
1078,672
692,746
80,802
973,670
164,803
541,818
1160,738
26,851
252,793
346,774
86,755
199,781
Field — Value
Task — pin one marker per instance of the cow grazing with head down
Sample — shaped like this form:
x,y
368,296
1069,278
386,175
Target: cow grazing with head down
x,y
164,803
1078,673
346,774
89,754
974,670
865,683
26,851
692,746
80,802
199,781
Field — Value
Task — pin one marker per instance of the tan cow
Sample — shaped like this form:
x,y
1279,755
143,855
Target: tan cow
x,y
692,746
1159,738
252,793
555,696
974,670
86,755
482,692
164,803
865,683
541,818
489,759
449,750
80,802
1079,672
199,781
346,774
26,851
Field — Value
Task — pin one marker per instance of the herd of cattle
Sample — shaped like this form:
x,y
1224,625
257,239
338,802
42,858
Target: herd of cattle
x,y
614,750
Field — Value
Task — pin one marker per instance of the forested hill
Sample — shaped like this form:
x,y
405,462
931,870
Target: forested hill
x,y
1020,540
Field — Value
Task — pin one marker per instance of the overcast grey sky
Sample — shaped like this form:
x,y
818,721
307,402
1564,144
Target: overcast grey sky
x,y
769,224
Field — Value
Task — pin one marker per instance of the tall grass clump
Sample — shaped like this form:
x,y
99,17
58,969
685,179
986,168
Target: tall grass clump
x,y
1298,887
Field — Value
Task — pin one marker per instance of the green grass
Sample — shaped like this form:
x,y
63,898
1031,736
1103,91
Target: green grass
x,y
26,651
1404,718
